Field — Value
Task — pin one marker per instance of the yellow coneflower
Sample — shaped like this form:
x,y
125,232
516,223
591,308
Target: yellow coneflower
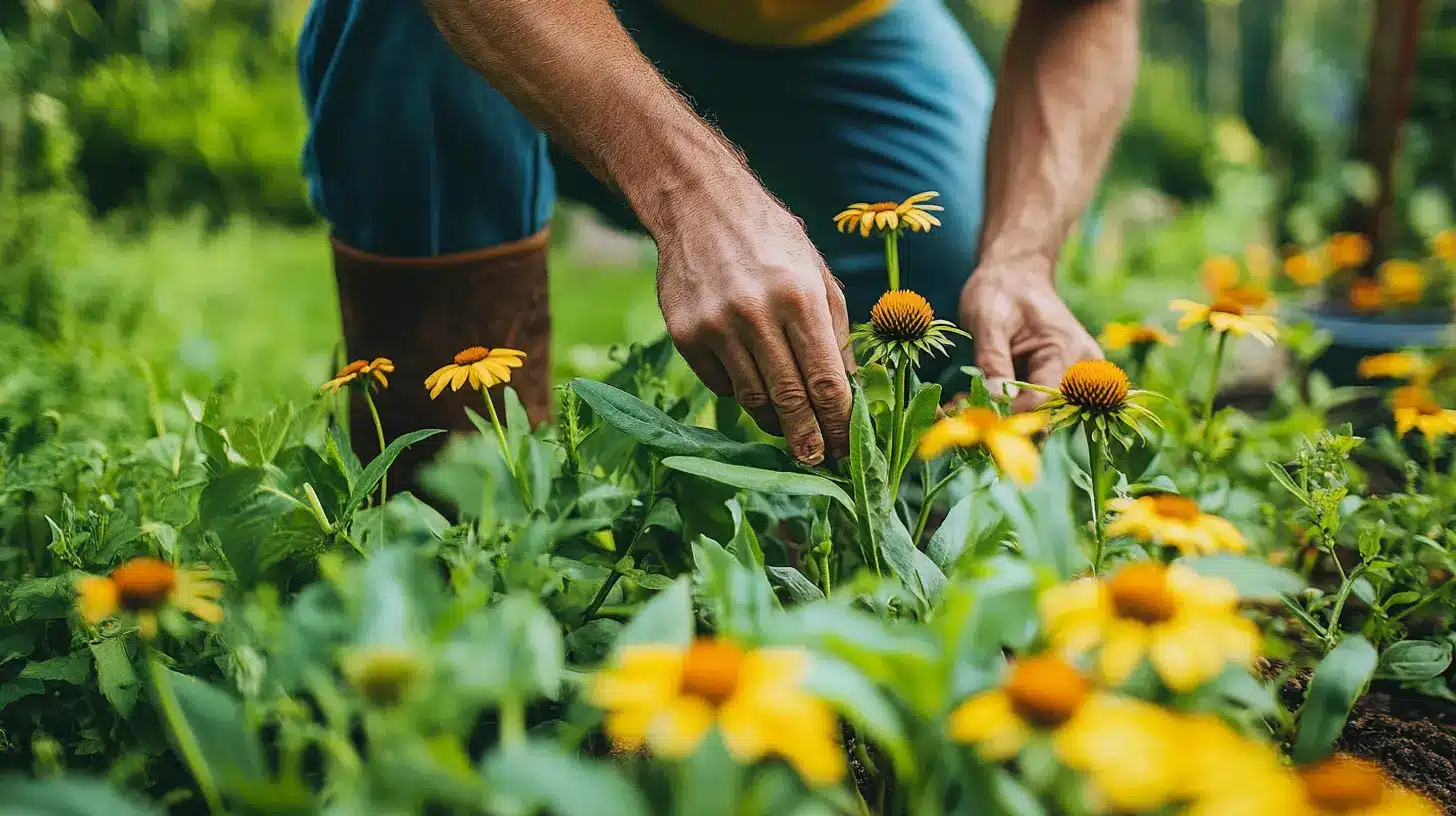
x,y
1119,336
143,587
384,675
1006,439
1415,408
1123,746
1175,521
1346,786
481,367
902,326
1226,316
1251,296
1402,282
1443,245
1365,295
1395,365
1219,272
1305,269
890,216
1187,625
1231,775
1348,250
367,371
667,698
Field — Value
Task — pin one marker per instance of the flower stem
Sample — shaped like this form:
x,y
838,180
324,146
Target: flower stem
x,y
929,500
897,427
1097,462
1430,465
182,736
824,573
379,434
512,723
892,257
1218,354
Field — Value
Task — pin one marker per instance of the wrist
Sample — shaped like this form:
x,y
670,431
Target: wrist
x,y
1019,274
692,177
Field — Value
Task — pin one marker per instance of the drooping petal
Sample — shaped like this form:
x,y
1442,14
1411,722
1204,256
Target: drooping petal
x,y
1123,648
459,378
1184,659
989,722
679,725
97,598
1016,456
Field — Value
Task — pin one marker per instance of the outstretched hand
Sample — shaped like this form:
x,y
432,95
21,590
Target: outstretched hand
x,y
1022,330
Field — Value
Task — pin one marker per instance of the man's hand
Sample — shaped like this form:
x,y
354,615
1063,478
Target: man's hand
x,y
751,306
1022,330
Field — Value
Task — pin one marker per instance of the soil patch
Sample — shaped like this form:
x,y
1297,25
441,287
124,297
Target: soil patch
x,y
1413,738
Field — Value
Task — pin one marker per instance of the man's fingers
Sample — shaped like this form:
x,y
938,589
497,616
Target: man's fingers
x,y
821,365
993,357
706,365
839,316
787,393
748,386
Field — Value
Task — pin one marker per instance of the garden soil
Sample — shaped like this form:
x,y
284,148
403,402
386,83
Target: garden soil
x,y
1413,738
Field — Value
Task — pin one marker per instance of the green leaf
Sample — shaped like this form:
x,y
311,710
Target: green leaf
x,y
518,425
880,528
800,589
1338,682
709,781
369,479
666,437
1414,660
1254,578
71,668
759,480
68,795
19,688
212,722
1283,478
950,538
115,674
849,691
667,619
919,416
1042,514
540,777
43,598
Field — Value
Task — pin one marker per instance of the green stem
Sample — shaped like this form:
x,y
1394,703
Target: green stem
x,y
379,434
500,433
182,736
601,596
1346,586
1097,461
924,517
892,257
897,427
1439,592
824,573
1430,466
512,723
1218,355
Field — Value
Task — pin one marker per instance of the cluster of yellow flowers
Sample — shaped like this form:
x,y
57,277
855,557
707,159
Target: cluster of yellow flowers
x,y
1397,282
1414,404
482,368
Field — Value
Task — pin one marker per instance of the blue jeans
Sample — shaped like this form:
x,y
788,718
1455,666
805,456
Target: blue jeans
x,y
410,153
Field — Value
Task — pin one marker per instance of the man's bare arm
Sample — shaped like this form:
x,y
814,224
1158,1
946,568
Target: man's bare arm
x,y
1064,89
746,297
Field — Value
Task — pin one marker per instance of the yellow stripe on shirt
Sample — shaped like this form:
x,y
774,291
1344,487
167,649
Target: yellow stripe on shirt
x,y
775,22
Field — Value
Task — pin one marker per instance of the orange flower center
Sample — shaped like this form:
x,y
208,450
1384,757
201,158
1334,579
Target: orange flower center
x,y
356,367
1228,305
883,206
1176,507
143,583
474,354
1140,592
1343,785
901,315
711,670
1144,335
1046,691
1095,385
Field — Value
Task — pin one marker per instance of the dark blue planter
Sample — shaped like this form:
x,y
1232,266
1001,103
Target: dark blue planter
x,y
1355,336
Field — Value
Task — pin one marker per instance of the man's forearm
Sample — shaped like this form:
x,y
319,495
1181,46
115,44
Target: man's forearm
x,y
569,66
1064,88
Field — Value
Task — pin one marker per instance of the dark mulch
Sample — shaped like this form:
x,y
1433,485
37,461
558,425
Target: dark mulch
x,y
1412,737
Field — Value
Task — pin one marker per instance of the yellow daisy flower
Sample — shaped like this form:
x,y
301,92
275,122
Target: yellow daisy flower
x,y
1174,521
1443,245
1006,439
1226,315
890,216
1402,282
1348,250
1187,625
1416,409
1231,775
143,587
667,699
1395,365
481,367
1219,272
1119,336
1345,786
1305,269
1365,295
1251,296
361,369
1123,746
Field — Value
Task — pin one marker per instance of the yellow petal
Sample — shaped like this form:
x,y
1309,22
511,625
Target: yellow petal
x,y
641,675
97,598
866,224
1122,650
147,624
1016,456
443,372
988,721
1183,659
679,725
919,197
1025,424
205,610
1075,615
459,378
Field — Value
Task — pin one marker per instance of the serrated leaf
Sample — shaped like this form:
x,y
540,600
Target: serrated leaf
x,y
71,668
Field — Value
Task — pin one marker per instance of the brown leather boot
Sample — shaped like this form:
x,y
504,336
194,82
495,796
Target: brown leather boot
x,y
419,312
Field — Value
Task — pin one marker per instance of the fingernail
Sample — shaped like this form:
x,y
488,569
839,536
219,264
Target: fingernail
x,y
810,459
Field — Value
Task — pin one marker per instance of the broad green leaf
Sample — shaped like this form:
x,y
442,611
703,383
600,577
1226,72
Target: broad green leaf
x,y
1338,682
880,528
1414,660
1254,578
374,471
854,696
518,425
800,589
667,437
708,781
68,795
18,689
919,416
592,641
212,723
950,538
735,593
115,674
759,480
71,668
667,619
42,598
1042,514
539,776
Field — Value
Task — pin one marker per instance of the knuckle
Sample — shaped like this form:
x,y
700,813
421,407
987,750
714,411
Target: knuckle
x,y
752,399
795,297
829,389
752,309
790,400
